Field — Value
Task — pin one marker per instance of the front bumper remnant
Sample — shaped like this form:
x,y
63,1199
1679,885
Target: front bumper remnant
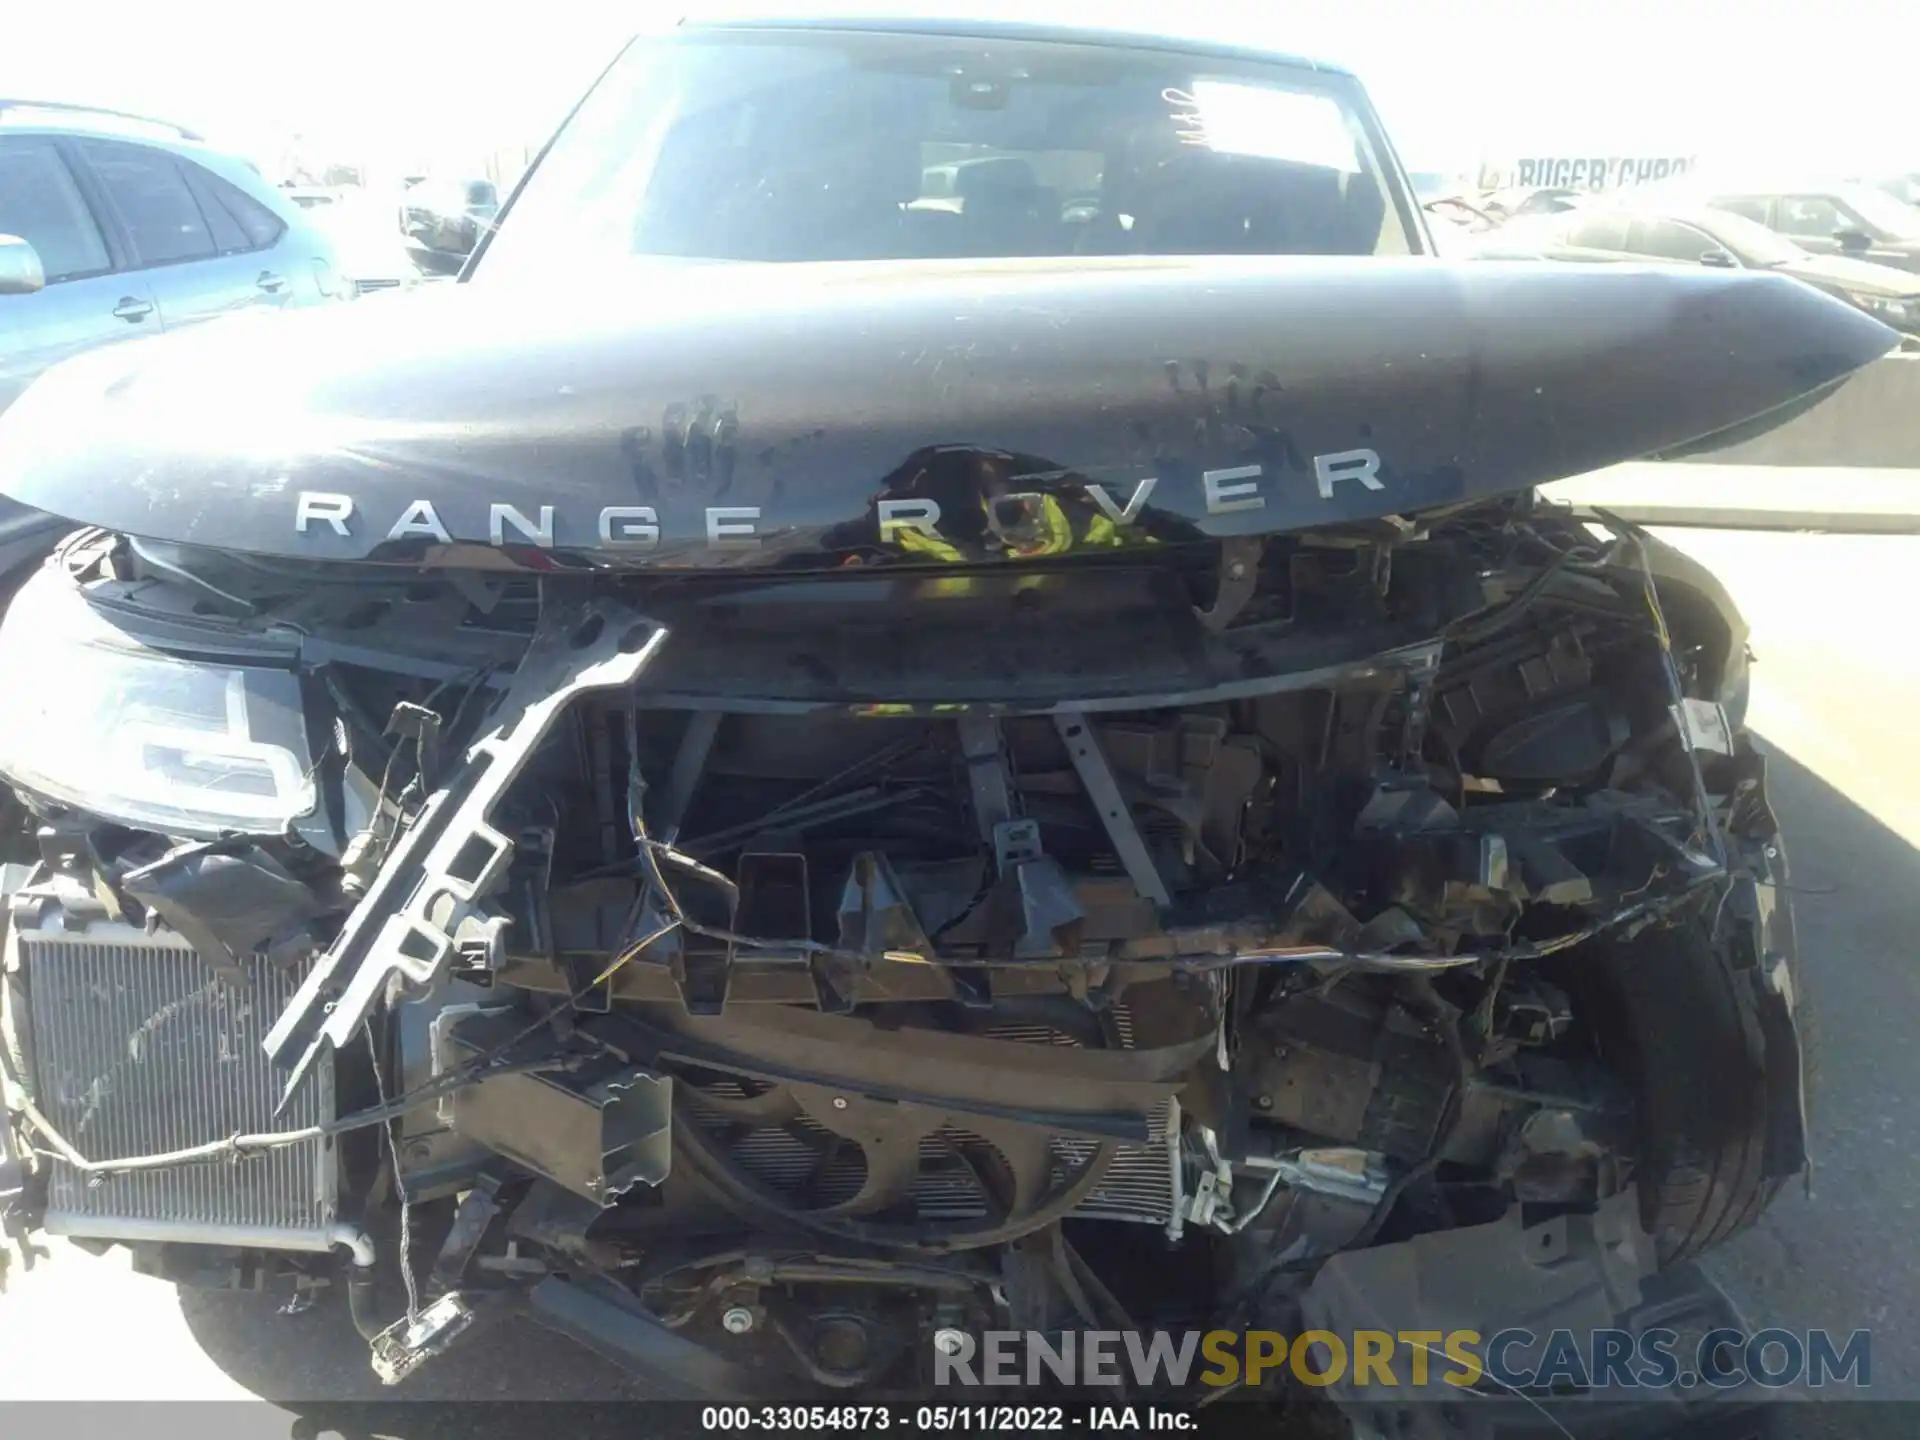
x,y
452,853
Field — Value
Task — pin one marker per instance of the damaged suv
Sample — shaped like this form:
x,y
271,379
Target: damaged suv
x,y
1037,765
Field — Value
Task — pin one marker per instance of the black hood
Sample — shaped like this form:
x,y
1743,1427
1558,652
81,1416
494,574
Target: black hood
x,y
742,415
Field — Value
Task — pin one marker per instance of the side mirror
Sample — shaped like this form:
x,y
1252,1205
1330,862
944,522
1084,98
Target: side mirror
x,y
1719,260
20,269
1854,242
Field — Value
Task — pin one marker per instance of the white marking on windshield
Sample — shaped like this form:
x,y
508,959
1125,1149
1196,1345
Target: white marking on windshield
x,y
1263,121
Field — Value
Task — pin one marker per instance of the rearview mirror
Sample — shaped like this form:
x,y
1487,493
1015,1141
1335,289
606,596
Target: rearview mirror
x,y
20,270
1853,241
1719,260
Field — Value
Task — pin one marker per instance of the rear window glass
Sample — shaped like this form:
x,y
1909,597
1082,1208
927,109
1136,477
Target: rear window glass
x,y
149,189
1599,232
1670,240
793,146
258,226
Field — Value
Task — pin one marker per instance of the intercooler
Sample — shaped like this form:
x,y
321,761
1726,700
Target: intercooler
x,y
138,1048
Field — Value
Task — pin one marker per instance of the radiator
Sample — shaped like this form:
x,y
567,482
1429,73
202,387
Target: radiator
x,y
138,1048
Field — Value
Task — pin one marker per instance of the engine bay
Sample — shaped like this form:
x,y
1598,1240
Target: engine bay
x,y
796,972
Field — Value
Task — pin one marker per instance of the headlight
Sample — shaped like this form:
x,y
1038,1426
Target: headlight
x,y
92,718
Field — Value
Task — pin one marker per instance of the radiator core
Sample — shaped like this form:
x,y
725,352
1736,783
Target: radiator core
x,y
139,1048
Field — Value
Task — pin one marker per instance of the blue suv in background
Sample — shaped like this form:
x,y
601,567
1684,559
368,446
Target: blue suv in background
x,y
138,227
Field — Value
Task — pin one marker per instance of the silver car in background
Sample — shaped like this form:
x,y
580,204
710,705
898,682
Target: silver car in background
x,y
131,227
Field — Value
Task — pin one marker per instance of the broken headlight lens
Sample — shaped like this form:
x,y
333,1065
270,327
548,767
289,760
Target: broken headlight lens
x,y
92,718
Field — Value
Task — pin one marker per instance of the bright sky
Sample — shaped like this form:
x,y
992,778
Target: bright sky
x,y
401,84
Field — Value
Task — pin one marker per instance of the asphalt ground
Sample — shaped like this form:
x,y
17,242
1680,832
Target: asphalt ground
x,y
1836,698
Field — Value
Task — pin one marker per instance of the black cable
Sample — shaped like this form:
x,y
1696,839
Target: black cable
x,y
360,1302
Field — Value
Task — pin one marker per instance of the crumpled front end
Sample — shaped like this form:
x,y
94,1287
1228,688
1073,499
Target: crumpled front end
x,y
773,977
777,974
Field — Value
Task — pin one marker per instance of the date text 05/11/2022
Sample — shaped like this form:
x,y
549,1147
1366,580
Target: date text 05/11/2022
x,y
942,1419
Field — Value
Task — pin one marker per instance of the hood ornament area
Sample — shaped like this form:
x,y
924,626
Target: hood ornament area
x,y
1231,490
913,414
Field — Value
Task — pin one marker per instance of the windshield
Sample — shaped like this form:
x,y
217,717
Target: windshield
x,y
1885,214
832,145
